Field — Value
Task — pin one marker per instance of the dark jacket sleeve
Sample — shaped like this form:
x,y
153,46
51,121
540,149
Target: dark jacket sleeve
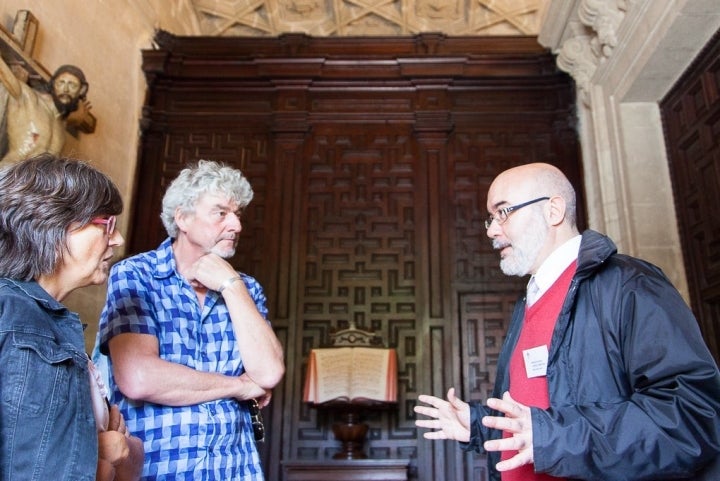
x,y
478,433
662,419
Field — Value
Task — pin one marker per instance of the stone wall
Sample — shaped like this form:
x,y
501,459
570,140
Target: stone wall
x,y
625,55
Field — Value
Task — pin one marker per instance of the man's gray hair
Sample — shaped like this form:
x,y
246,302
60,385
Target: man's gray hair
x,y
205,177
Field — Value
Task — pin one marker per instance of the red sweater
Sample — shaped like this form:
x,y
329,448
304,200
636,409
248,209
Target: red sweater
x,y
536,331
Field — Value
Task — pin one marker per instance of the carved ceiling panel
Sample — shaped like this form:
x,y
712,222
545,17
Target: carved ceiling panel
x,y
330,18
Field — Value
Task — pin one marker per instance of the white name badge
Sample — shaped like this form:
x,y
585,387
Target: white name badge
x,y
536,361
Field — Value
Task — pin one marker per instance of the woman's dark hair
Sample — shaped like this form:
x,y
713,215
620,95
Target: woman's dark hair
x,y
40,198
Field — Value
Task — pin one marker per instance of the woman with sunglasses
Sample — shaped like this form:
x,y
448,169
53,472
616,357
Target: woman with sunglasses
x,y
57,234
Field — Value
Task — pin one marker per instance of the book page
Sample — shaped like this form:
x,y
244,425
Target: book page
x,y
369,373
332,369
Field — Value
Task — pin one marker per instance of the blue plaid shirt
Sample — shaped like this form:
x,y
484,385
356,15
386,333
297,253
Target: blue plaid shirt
x,y
208,441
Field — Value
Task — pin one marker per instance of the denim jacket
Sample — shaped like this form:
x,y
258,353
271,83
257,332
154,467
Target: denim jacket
x,y
47,428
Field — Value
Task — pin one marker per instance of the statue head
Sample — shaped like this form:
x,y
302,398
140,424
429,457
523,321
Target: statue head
x,y
67,87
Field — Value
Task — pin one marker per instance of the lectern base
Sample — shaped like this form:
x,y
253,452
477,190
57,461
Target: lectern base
x,y
348,470
351,433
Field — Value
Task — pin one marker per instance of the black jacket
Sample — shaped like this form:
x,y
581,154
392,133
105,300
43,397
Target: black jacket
x,y
634,391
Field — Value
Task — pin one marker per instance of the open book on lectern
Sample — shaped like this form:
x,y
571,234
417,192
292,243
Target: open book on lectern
x,y
351,374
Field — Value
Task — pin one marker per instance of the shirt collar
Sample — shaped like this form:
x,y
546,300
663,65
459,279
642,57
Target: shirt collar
x,y
556,263
165,265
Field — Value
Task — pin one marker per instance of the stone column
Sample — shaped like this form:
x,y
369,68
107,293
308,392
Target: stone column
x,y
618,53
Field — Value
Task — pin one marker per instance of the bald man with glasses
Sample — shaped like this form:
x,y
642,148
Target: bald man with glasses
x,y
603,375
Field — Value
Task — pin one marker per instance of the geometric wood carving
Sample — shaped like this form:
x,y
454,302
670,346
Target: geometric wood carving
x,y
358,260
484,319
691,119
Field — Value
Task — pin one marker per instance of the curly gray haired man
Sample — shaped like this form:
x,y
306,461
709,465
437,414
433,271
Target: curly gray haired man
x,y
192,354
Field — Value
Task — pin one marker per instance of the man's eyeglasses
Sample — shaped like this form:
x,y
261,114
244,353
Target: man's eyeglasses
x,y
502,215
257,421
109,223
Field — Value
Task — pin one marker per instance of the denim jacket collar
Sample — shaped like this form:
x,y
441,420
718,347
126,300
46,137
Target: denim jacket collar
x,y
35,291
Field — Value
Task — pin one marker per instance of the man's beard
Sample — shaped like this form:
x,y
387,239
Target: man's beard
x,y
64,108
525,250
224,252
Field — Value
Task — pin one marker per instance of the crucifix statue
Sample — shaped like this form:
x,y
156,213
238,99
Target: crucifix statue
x,y
37,116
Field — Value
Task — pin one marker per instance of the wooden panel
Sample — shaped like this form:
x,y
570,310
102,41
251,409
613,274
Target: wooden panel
x,y
484,319
691,119
357,258
370,160
356,470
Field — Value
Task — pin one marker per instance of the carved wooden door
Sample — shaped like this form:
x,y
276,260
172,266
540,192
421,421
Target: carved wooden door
x,y
691,118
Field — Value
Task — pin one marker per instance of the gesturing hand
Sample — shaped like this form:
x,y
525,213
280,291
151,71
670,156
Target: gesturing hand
x,y
451,417
518,422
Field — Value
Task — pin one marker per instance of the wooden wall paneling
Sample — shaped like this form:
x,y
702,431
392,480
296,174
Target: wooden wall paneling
x,y
691,122
433,126
484,319
285,216
144,222
358,259
370,160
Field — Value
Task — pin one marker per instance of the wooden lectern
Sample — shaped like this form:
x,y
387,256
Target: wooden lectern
x,y
352,376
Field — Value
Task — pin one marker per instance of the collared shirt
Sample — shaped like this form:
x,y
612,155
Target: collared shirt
x,y
47,427
556,263
209,441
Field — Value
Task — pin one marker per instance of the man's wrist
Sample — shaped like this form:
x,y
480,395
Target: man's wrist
x,y
227,283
